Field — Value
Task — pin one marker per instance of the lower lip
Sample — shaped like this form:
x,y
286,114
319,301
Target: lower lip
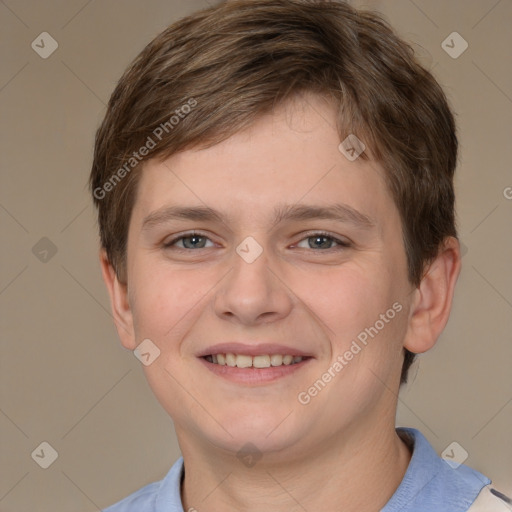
x,y
254,375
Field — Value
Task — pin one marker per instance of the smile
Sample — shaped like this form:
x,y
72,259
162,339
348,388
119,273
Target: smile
x,y
254,370
247,361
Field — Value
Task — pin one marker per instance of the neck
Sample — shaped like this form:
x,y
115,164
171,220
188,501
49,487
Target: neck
x,y
359,469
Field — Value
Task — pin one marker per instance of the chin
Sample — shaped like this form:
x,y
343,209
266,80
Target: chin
x,y
263,434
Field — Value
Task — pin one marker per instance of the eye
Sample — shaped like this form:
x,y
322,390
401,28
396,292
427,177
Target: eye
x,y
322,241
188,241
317,240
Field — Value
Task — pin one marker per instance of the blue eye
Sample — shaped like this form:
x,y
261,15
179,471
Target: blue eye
x,y
315,241
189,241
322,241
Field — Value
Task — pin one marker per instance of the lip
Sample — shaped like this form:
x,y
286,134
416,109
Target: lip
x,y
254,376
252,349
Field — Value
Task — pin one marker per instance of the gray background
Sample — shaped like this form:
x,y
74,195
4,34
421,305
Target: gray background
x,y
66,380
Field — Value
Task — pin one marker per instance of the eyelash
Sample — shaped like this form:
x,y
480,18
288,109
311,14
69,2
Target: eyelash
x,y
341,243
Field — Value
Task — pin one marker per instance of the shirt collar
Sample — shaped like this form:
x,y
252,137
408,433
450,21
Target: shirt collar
x,y
430,483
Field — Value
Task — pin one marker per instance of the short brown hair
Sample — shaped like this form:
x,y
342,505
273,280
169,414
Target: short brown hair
x,y
220,68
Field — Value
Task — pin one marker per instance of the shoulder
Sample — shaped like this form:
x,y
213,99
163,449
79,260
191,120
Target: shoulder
x,y
434,483
142,500
491,500
160,496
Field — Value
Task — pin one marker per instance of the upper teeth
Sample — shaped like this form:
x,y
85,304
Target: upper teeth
x,y
245,361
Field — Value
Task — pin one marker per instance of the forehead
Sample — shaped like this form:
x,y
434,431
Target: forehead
x,y
289,157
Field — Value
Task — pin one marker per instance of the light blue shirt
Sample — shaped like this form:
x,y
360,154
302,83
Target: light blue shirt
x,y
429,484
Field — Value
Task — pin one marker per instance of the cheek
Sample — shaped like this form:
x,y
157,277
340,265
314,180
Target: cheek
x,y
353,299
165,300
365,306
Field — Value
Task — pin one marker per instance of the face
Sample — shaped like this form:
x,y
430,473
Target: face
x,y
270,244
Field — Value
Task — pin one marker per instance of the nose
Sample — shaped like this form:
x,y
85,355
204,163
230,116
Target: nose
x,y
253,293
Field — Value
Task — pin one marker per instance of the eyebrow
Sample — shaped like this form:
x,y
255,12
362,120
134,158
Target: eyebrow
x,y
339,212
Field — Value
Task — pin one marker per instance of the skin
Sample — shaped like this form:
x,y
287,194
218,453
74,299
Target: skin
x,y
342,447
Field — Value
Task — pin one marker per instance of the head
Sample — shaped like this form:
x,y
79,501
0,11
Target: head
x,y
246,119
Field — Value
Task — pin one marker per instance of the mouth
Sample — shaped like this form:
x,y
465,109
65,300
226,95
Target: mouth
x,y
254,370
260,361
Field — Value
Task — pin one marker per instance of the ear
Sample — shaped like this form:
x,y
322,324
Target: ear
x,y
119,303
432,303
